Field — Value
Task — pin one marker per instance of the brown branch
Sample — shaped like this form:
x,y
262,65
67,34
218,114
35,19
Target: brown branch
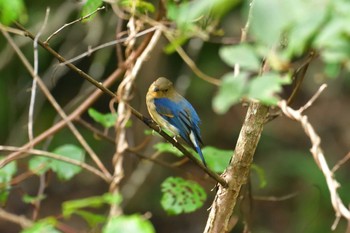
x,y
238,170
58,157
57,107
73,22
20,220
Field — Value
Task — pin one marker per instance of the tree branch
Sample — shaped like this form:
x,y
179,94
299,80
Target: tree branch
x,y
238,170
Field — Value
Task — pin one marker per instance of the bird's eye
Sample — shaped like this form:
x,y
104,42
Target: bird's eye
x,y
166,90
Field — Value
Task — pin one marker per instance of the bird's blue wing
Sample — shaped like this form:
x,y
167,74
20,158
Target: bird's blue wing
x,y
181,115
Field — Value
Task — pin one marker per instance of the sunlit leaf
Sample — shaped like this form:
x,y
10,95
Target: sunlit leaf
x,y
166,147
181,196
42,226
39,165
217,159
91,218
231,91
11,10
89,7
6,174
265,87
141,6
31,200
128,224
70,207
107,120
242,54
65,170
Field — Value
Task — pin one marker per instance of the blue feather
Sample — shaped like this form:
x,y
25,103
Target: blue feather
x,y
183,117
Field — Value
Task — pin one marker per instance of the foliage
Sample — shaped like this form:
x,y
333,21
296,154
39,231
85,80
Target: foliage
x,y
43,226
77,206
6,174
128,224
181,196
11,11
64,170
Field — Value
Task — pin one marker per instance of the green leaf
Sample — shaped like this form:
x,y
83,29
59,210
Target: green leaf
x,y
265,87
70,207
31,200
106,120
6,174
179,41
64,170
92,219
270,18
166,147
332,70
128,224
181,196
217,159
11,11
242,54
261,175
43,226
141,6
231,91
89,7
39,165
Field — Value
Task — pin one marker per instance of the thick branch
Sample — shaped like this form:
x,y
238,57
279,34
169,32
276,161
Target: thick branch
x,y
238,171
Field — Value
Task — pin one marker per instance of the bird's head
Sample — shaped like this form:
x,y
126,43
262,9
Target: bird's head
x,y
162,87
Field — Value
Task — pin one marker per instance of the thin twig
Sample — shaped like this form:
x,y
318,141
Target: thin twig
x,y
190,62
20,220
341,162
36,68
57,157
73,22
56,106
312,100
274,198
105,45
340,209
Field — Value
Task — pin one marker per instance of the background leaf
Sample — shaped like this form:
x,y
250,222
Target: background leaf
x,y
89,7
64,170
128,224
181,196
230,92
217,159
243,54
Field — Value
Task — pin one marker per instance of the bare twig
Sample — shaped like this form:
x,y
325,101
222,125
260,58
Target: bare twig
x,y
73,22
312,100
341,162
57,157
56,106
340,209
20,220
274,198
36,67
190,62
111,43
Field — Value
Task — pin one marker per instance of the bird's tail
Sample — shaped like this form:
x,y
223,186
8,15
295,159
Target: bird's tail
x,y
199,151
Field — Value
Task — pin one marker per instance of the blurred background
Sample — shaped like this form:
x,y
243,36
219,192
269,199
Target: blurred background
x,y
283,152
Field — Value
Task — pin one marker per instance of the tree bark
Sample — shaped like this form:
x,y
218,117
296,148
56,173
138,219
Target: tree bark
x,y
238,170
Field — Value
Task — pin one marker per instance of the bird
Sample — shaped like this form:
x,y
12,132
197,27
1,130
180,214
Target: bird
x,y
173,112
